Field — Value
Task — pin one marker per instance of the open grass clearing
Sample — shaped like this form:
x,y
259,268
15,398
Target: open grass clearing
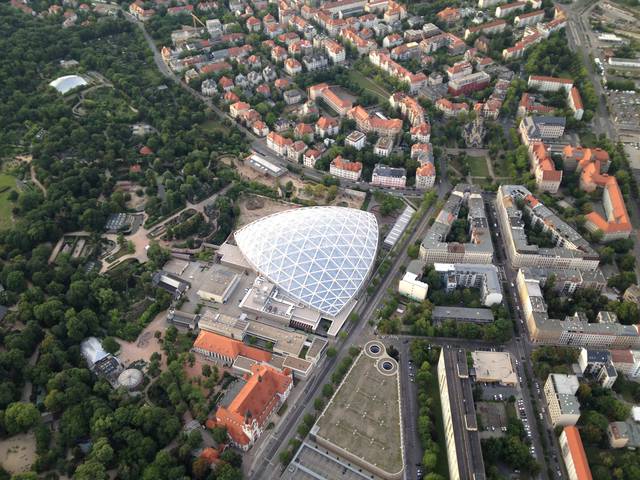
x,y
477,166
7,185
369,85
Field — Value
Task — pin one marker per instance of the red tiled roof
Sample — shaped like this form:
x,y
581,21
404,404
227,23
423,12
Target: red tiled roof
x,y
342,164
228,347
255,401
576,98
426,170
326,122
578,455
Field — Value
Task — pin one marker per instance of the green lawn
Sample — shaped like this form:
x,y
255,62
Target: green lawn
x,y
369,85
213,126
478,166
6,205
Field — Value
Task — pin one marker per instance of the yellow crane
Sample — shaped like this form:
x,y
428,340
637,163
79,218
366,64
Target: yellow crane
x,y
195,18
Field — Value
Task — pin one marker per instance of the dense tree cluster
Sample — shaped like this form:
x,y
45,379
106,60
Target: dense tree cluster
x,y
553,57
79,158
598,407
510,449
548,360
429,413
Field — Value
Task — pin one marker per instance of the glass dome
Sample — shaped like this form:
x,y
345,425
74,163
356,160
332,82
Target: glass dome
x,y
68,82
320,256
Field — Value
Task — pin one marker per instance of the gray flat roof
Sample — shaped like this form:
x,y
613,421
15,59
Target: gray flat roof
x,y
399,226
481,315
463,414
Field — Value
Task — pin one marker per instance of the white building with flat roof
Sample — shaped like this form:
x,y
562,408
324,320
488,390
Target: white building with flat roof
x,y
413,288
560,392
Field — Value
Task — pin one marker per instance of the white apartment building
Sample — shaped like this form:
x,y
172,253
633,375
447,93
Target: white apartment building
x,y
345,169
426,176
389,177
560,393
549,84
356,139
413,288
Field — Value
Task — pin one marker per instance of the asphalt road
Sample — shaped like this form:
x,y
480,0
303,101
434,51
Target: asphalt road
x,y
359,334
520,348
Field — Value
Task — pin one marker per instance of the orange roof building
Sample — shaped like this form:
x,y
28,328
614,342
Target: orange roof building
x,y
575,103
225,350
548,178
324,92
210,455
345,169
449,15
592,163
367,122
247,414
574,455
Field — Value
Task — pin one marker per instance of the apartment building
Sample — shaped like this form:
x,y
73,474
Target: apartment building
x,y
495,26
549,84
389,177
548,178
574,100
464,452
509,8
574,330
626,362
345,169
521,46
469,83
541,128
383,147
459,69
335,51
310,157
573,454
451,109
376,122
435,248
278,143
413,288
571,250
324,92
591,164
356,139
560,394
426,176
464,275
409,107
526,19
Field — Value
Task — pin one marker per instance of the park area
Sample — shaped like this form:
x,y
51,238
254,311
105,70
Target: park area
x,y
477,166
369,85
7,185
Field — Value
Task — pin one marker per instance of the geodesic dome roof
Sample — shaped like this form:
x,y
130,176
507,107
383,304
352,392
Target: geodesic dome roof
x,y
68,82
320,256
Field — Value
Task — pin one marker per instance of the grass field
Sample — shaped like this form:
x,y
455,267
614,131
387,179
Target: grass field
x,y
478,166
369,85
213,126
6,205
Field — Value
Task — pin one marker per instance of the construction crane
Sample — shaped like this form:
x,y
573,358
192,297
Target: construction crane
x,y
195,18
